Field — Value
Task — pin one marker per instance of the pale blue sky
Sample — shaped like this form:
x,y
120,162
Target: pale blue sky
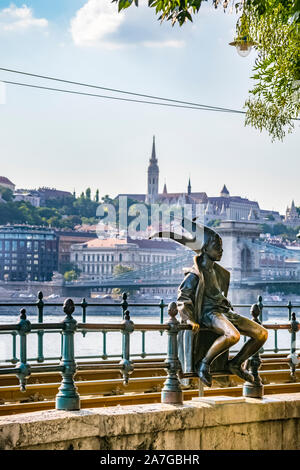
x,y
65,141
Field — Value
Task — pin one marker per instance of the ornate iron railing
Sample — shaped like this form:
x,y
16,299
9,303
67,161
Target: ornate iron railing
x,y
68,397
84,306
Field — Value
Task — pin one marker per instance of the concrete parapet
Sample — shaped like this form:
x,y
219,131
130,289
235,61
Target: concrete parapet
x,y
272,423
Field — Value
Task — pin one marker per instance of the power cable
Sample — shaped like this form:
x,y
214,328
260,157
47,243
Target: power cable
x,y
118,98
117,90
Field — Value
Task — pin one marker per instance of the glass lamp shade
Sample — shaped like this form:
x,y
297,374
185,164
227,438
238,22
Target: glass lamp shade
x,y
243,46
243,49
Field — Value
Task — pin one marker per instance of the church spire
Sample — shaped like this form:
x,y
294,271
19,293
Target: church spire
x,y
165,188
189,187
153,158
153,177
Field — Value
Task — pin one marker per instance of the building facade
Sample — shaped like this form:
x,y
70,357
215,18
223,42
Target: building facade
x,y
292,217
67,238
27,196
27,253
98,258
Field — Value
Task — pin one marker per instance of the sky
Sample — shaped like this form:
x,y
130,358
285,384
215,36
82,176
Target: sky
x,y
74,142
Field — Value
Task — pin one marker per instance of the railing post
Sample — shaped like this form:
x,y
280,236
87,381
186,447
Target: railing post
x,y
40,306
290,308
14,359
124,304
171,392
161,306
84,305
260,306
293,356
67,397
143,355
256,389
104,352
125,363
23,368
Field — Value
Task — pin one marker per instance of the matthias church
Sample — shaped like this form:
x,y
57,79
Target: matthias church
x,y
209,208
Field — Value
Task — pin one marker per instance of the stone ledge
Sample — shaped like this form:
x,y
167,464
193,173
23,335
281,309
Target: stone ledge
x,y
161,426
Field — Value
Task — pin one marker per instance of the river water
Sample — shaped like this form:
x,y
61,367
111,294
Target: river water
x,y
92,343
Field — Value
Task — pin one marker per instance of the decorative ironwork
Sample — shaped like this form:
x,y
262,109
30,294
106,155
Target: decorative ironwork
x,y
68,397
171,392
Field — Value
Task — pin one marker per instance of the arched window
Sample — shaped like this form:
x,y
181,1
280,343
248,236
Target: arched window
x,y
246,261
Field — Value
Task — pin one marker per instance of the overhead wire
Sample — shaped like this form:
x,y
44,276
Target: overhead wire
x,y
45,77
62,90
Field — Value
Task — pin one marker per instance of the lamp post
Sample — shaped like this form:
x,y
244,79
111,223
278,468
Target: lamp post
x,y
243,45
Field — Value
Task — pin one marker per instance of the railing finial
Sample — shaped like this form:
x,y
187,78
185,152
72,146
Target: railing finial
x,y
23,314
68,307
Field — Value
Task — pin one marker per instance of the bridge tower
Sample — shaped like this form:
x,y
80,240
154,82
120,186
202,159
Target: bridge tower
x,y
241,250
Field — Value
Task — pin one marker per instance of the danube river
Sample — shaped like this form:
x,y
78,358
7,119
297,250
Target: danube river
x,y
92,343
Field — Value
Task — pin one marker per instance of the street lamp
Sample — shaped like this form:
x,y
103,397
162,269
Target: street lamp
x,y
243,45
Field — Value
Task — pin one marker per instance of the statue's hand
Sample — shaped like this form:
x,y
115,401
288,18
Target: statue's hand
x,y
195,327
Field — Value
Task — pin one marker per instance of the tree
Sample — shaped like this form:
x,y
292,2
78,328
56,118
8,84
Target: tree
x,y
70,276
88,193
121,269
273,28
6,194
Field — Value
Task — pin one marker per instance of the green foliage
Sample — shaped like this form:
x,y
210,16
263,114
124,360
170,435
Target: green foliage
x,y
274,101
121,269
70,276
214,223
281,230
273,25
6,194
67,267
59,213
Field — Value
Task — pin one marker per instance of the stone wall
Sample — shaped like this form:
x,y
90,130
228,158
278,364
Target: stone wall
x,y
270,423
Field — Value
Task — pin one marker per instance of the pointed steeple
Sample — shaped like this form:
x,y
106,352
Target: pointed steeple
x,y
189,187
223,210
251,215
165,188
224,192
153,177
153,159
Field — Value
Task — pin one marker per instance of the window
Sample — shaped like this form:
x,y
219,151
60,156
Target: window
x,y
7,246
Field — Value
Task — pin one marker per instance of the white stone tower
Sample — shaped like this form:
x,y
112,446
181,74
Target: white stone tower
x,y
153,177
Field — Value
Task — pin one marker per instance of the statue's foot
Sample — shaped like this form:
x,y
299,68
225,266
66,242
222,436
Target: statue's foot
x,y
238,370
204,375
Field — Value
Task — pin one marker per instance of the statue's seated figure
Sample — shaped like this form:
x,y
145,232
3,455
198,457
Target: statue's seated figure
x,y
202,302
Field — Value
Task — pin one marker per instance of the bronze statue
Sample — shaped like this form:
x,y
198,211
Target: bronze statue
x,y
202,302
